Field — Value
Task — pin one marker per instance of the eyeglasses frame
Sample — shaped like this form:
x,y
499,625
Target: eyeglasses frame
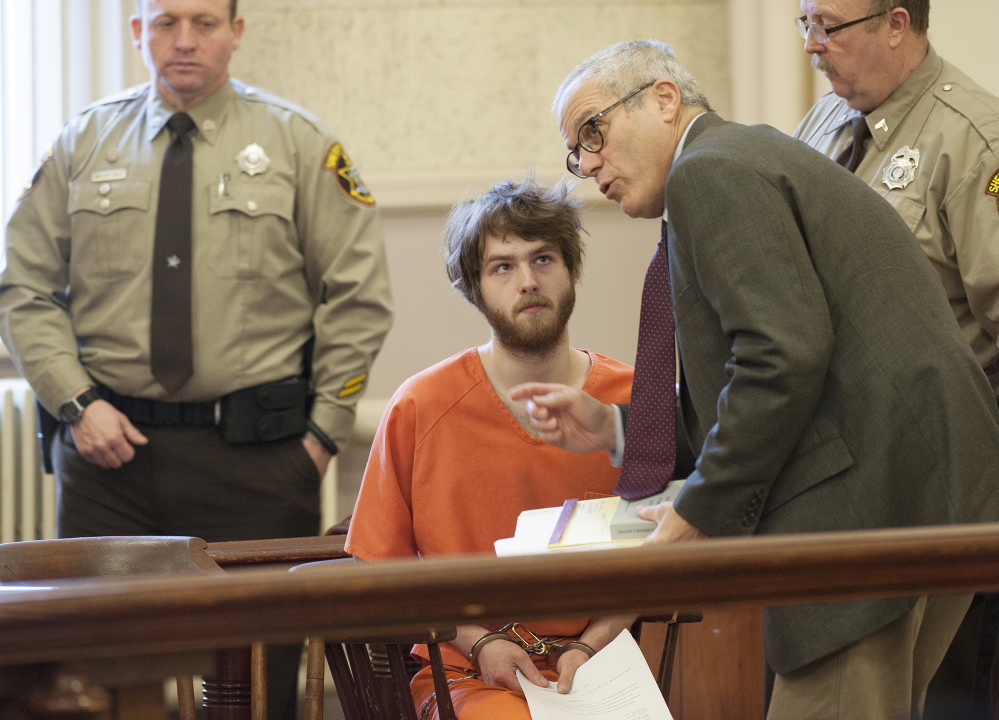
x,y
592,121
804,27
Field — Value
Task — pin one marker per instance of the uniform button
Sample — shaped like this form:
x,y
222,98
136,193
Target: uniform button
x,y
251,205
104,204
947,88
112,155
104,189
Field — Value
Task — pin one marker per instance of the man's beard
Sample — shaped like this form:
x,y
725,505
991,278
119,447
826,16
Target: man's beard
x,y
532,335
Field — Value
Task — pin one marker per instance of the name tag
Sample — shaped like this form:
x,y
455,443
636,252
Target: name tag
x,y
109,175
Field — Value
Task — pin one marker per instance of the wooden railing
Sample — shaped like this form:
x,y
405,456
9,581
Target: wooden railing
x,y
89,619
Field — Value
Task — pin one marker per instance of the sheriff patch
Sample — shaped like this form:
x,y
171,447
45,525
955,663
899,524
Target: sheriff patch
x,y
993,187
347,176
36,178
353,385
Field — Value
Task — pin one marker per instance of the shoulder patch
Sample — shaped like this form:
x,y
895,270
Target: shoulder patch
x,y
993,187
347,176
38,174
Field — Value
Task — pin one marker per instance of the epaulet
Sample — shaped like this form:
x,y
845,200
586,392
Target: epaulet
x,y
255,94
126,95
976,104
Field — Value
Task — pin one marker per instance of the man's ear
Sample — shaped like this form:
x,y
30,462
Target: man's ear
x,y
237,32
899,23
136,22
666,98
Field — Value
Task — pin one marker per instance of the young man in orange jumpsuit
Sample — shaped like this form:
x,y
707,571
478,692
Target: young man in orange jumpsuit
x,y
455,460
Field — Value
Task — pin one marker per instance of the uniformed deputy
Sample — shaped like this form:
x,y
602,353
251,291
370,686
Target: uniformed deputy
x,y
933,150
929,144
287,278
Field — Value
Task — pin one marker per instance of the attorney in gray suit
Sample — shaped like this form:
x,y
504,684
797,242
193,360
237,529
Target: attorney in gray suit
x,y
824,386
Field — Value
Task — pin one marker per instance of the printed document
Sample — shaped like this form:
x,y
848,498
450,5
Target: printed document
x,y
615,684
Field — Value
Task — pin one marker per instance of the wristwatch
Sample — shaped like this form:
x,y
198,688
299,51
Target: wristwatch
x,y
71,411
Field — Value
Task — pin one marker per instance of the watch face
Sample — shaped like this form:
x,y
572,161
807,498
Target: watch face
x,y
70,412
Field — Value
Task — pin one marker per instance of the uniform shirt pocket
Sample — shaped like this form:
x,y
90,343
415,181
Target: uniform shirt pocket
x,y
253,232
108,222
911,210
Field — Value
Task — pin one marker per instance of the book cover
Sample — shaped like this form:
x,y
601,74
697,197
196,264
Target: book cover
x,y
625,523
606,520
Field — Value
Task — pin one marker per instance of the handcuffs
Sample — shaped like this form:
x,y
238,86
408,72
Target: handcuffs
x,y
550,648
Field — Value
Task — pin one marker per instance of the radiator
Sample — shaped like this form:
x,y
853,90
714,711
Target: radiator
x,y
27,495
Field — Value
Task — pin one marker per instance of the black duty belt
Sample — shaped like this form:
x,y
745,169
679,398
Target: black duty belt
x,y
262,413
160,413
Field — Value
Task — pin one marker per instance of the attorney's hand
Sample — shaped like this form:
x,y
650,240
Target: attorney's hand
x,y
671,527
568,418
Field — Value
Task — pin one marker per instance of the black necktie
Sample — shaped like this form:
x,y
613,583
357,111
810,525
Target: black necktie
x,y
650,448
850,157
170,319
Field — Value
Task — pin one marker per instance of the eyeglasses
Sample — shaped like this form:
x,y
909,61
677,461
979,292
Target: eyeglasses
x,y
589,137
821,33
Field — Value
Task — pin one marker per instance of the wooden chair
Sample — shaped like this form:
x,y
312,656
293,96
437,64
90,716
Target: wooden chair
x,y
371,674
664,676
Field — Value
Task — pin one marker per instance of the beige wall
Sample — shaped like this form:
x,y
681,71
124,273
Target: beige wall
x,y
438,98
434,97
964,32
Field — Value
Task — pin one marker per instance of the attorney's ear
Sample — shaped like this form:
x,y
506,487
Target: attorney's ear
x,y
666,99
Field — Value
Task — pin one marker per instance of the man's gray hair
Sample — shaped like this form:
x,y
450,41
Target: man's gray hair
x,y
623,68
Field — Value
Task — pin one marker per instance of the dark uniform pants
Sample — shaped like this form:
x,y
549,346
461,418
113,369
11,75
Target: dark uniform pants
x,y
189,481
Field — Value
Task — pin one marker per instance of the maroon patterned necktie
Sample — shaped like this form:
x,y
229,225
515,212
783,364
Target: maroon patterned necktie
x,y
650,445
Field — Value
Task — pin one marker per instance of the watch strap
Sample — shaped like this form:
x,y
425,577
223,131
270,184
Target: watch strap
x,y
72,410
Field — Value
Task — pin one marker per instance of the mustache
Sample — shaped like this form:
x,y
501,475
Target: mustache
x,y
821,64
532,300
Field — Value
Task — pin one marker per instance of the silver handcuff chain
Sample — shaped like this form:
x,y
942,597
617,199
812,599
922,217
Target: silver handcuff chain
x,y
533,645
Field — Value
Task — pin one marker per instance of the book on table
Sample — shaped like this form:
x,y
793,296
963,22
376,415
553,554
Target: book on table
x,y
587,524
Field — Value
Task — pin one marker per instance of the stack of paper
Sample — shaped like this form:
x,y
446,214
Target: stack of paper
x,y
615,684
591,524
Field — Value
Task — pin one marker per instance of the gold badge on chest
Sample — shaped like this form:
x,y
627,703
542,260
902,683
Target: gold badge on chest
x,y
902,169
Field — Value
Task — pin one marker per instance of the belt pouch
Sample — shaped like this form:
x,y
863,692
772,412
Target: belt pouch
x,y
264,413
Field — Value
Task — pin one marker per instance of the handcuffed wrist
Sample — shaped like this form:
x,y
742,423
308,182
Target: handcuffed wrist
x,y
477,646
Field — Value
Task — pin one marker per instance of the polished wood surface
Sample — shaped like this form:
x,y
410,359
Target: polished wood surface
x,y
720,668
281,550
102,618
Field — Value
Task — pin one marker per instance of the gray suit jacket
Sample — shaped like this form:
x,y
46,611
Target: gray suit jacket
x,y
826,385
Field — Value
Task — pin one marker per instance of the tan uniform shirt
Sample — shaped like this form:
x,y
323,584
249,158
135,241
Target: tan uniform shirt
x,y
943,192
290,249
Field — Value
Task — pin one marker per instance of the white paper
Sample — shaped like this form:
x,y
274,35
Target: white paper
x,y
534,530
615,684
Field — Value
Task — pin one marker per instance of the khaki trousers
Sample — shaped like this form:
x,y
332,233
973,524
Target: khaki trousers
x,y
880,677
